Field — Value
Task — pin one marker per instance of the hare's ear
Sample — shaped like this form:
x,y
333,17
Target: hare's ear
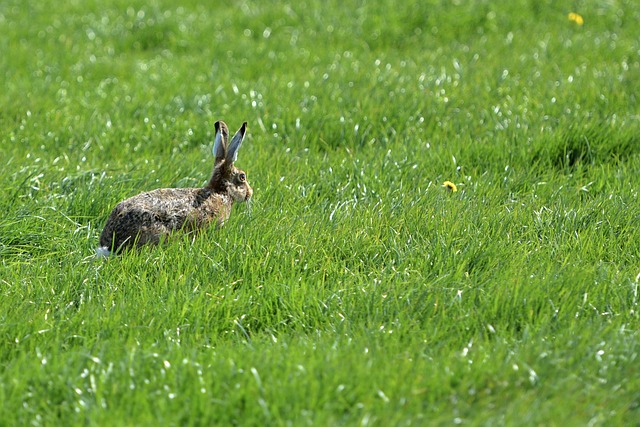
x,y
220,142
234,145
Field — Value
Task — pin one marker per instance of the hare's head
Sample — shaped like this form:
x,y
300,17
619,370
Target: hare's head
x,y
226,178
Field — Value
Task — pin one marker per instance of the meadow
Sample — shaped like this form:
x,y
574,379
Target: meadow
x,y
355,289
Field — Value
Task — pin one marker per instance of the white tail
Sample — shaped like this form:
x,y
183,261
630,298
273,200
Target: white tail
x,y
102,252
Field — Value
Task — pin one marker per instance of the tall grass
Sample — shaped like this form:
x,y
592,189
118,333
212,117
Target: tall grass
x,y
356,290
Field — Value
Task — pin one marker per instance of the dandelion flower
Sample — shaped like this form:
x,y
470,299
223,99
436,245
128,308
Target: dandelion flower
x,y
576,18
450,186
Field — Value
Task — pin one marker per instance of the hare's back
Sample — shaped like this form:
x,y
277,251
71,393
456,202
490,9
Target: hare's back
x,y
164,200
170,205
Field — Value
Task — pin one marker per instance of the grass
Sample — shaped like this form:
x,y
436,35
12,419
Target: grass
x,y
356,290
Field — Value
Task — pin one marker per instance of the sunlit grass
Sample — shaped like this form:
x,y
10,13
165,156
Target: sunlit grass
x,y
444,225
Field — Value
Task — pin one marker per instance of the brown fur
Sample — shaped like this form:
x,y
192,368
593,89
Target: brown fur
x,y
151,217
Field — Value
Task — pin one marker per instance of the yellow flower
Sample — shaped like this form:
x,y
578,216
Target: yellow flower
x,y
450,186
576,18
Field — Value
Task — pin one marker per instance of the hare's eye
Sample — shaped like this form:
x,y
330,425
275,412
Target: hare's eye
x,y
242,177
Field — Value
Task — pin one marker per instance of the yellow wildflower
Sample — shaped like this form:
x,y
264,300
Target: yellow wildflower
x,y
576,18
450,186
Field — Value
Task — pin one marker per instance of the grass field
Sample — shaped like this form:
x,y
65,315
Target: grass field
x,y
356,290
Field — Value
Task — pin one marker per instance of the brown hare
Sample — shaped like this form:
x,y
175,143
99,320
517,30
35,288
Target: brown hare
x,y
151,217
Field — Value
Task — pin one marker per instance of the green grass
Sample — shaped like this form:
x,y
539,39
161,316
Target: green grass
x,y
356,290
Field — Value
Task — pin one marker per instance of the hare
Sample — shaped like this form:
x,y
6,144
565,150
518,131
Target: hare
x,y
149,218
